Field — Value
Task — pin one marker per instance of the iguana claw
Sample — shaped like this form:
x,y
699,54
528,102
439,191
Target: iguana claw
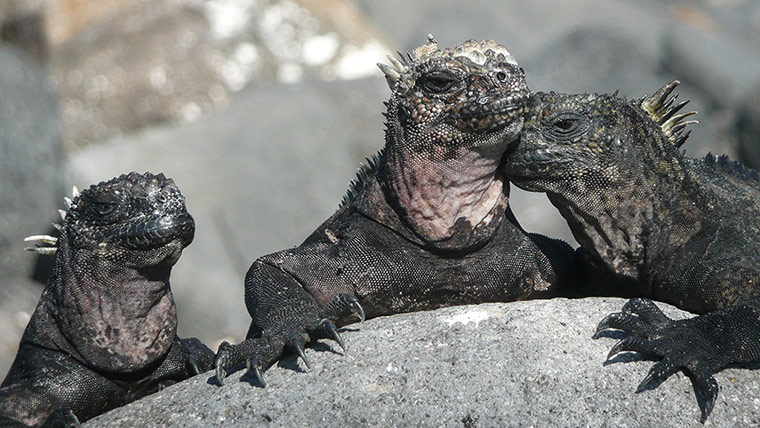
x,y
253,365
342,305
220,375
330,329
298,347
220,361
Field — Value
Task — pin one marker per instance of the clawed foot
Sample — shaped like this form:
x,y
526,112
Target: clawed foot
x,y
200,358
258,353
678,345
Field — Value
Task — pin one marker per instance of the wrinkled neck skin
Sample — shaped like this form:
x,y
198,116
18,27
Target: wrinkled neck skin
x,y
454,204
117,318
619,218
610,218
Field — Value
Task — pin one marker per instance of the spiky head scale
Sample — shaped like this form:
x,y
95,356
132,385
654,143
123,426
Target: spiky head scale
x,y
402,73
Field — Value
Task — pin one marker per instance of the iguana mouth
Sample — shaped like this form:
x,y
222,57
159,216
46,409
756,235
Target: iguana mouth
x,y
158,232
524,163
489,116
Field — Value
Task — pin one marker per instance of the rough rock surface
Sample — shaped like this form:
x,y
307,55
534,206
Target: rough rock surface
x,y
517,364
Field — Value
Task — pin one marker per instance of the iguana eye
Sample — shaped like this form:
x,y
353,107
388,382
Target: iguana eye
x,y
103,205
104,208
566,125
502,76
438,83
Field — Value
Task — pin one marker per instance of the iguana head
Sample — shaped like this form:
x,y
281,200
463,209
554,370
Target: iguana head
x,y
595,140
452,100
110,287
451,114
137,219
604,162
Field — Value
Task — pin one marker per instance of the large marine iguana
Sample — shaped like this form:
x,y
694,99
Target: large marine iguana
x,y
656,223
426,223
104,331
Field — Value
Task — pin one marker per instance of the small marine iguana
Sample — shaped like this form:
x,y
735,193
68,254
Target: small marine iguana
x,y
426,223
105,330
668,227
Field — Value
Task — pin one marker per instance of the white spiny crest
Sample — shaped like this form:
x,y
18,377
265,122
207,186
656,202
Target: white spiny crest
x,y
400,73
45,239
52,240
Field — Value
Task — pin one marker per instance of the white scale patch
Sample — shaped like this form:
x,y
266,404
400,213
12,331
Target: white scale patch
x,y
464,318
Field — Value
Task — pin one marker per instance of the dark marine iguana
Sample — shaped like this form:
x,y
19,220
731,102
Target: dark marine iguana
x,y
668,227
104,331
426,223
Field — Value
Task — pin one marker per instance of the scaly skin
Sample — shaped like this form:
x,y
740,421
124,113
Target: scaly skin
x,y
425,225
104,331
656,224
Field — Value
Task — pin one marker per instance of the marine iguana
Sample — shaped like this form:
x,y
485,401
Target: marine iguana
x,y
105,329
665,226
425,224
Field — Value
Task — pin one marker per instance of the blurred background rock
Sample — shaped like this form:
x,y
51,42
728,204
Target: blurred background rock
x,y
262,110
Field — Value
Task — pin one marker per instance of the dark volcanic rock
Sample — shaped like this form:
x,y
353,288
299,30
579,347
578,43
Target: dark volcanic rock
x,y
495,365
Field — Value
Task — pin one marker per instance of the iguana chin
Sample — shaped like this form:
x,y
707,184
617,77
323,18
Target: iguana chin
x,y
104,331
426,223
671,228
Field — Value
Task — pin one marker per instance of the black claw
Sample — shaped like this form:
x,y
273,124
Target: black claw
x,y
709,389
625,321
219,362
329,326
220,374
603,325
644,384
254,366
647,310
299,351
358,310
194,365
619,347
658,373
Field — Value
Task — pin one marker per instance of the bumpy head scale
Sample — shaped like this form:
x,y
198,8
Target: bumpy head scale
x,y
403,72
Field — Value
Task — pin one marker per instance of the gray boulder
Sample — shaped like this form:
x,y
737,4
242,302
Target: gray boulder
x,y
31,187
494,365
31,166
